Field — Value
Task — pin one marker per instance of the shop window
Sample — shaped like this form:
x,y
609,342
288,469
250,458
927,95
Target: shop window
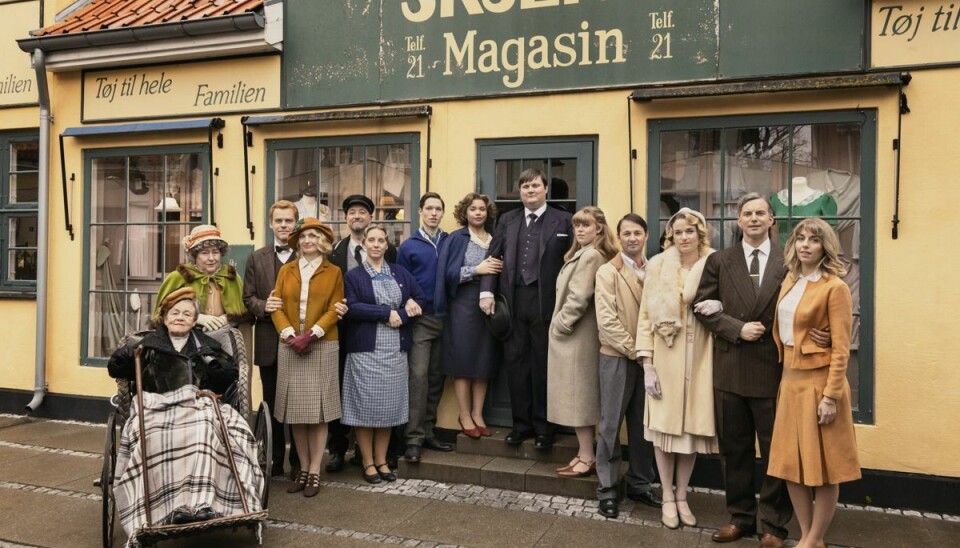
x,y
821,164
139,207
317,174
18,212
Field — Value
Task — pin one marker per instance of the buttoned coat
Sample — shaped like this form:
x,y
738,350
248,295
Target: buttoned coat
x,y
259,279
747,368
617,298
326,290
555,237
573,381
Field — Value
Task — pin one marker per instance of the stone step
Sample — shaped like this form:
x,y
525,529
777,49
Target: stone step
x,y
564,447
515,474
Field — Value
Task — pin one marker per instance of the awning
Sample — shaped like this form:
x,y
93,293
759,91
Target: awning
x,y
813,83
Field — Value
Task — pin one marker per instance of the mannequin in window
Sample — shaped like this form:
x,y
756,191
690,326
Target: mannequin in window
x,y
111,309
307,204
807,202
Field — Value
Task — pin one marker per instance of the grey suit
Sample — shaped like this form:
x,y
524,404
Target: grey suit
x,y
746,378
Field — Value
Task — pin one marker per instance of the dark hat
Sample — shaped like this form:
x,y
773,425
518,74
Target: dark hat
x,y
182,294
304,224
355,199
499,322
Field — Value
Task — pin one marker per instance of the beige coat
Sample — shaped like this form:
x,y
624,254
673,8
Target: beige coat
x,y
573,383
661,330
617,296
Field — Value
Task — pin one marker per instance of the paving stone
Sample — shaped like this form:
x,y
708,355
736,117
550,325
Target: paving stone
x,y
78,437
446,467
475,526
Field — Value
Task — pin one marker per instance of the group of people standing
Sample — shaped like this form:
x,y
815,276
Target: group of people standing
x,y
700,351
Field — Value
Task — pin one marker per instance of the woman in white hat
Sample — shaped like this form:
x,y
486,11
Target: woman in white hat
x,y
218,287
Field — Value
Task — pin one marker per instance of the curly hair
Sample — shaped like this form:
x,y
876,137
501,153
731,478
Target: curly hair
x,y
605,242
816,227
208,244
460,211
703,231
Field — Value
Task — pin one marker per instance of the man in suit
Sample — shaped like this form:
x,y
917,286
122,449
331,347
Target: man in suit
x,y
736,300
531,242
347,254
259,279
618,290
418,254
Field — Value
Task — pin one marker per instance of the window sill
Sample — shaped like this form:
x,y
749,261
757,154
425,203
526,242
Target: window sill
x,y
18,295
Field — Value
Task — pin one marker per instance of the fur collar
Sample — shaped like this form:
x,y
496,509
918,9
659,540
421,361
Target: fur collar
x,y
190,272
660,290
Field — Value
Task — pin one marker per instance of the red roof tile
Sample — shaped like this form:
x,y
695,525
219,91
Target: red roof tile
x,y
112,14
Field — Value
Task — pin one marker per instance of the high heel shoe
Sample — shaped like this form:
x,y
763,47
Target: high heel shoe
x,y
484,431
572,472
686,518
371,478
385,476
472,433
298,484
670,522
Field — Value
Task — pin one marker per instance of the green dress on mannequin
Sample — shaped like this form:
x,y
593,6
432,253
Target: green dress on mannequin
x,y
817,204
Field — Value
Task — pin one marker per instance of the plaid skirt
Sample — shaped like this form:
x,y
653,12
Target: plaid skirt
x,y
308,387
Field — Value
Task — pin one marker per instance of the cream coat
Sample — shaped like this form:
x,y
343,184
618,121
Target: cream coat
x,y
661,332
618,306
573,383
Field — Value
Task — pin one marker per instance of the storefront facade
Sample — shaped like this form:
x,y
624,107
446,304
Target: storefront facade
x,y
627,106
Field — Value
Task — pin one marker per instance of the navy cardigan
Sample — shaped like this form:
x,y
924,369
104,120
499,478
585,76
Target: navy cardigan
x,y
419,257
359,332
448,269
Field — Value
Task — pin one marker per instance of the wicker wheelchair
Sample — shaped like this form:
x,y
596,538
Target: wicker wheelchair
x,y
232,342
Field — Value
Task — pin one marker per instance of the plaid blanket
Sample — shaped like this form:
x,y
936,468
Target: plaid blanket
x,y
187,459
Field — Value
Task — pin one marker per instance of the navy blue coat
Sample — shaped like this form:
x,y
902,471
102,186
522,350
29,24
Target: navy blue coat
x,y
359,332
419,257
448,269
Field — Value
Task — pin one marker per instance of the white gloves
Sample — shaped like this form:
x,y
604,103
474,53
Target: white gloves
x,y
708,307
211,323
651,382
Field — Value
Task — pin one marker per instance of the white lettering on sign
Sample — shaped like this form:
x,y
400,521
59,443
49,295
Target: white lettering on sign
x,y
425,9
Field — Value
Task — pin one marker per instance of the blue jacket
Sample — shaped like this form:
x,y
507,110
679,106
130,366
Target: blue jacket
x,y
419,257
448,269
359,331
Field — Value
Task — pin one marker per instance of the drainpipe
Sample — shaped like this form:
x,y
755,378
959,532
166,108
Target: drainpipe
x,y
40,373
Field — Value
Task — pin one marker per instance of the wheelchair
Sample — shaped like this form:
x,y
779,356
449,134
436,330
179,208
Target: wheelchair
x,y
232,342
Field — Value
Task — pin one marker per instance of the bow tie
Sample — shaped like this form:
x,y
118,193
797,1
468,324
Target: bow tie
x,y
282,248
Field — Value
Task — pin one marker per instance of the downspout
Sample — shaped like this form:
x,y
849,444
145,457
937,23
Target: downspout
x,y
40,372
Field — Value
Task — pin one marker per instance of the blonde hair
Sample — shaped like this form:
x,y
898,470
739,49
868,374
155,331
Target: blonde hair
x,y
284,204
830,263
703,232
324,245
605,242
371,228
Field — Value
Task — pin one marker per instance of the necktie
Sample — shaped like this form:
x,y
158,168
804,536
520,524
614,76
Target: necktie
x,y
531,218
358,256
755,270
282,248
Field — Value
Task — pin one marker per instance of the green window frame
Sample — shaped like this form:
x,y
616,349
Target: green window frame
x,y
143,176
18,254
345,165
735,133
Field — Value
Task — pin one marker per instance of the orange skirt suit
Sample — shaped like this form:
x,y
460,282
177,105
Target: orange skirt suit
x,y
803,451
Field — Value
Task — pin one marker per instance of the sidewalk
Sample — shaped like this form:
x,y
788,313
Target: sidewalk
x,y
47,498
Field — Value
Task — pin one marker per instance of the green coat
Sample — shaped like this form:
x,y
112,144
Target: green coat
x,y
187,275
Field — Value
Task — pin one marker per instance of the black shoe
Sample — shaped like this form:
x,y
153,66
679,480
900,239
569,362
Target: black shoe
x,y
412,453
648,497
204,513
436,445
336,463
181,516
387,476
609,508
543,442
371,478
516,437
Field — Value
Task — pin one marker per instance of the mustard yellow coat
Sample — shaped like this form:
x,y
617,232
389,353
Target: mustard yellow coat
x,y
326,289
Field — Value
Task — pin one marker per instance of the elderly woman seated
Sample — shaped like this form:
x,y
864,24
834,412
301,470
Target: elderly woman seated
x,y
189,477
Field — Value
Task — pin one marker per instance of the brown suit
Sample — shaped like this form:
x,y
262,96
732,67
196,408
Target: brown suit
x,y
746,377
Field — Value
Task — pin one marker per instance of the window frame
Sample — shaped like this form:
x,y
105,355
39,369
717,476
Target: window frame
x,y
867,120
89,155
14,288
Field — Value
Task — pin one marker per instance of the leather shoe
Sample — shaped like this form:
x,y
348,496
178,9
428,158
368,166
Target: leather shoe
x,y
648,498
543,442
609,508
181,516
336,462
412,454
387,476
770,541
516,437
204,513
728,533
437,445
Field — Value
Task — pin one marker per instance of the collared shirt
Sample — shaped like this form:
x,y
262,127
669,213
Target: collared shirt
x,y
764,255
787,309
351,251
434,240
538,213
307,268
639,269
284,256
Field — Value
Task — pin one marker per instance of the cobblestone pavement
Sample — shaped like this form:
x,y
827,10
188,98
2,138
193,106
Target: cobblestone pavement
x,y
409,512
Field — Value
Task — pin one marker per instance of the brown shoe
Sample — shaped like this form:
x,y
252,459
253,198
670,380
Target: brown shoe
x,y
728,533
770,541
312,486
299,483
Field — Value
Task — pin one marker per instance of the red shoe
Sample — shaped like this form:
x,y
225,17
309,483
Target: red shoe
x,y
473,433
484,431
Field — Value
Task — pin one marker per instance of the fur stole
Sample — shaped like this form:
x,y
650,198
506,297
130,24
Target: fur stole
x,y
661,288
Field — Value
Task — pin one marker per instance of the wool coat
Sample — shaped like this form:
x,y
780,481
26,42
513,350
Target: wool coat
x,y
259,279
188,275
617,297
326,290
573,381
662,331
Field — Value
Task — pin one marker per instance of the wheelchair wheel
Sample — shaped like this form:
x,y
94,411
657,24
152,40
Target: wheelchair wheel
x,y
263,434
106,480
